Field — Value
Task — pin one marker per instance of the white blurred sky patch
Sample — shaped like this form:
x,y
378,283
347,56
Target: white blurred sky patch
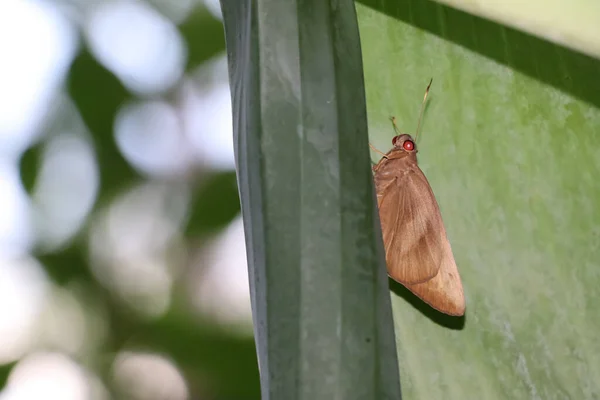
x,y
51,376
23,292
206,103
176,11
36,47
163,139
130,245
84,316
150,136
214,7
65,190
146,376
135,42
220,288
16,236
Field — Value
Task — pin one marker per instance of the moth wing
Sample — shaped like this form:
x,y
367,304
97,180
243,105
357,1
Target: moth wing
x,y
445,291
411,225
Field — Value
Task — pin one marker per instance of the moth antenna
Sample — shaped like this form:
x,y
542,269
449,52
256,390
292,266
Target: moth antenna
x,y
374,149
422,109
393,119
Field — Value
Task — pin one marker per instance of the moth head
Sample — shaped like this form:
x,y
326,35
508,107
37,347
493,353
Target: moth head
x,y
404,142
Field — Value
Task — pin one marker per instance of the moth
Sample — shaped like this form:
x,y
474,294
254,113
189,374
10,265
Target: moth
x,y
418,253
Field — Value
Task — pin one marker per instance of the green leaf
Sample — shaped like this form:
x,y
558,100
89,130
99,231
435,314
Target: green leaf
x,y
510,146
319,292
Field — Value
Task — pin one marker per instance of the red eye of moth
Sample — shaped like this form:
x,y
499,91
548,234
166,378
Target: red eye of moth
x,y
408,145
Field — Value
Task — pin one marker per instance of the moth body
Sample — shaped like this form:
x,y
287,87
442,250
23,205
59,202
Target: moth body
x,y
418,253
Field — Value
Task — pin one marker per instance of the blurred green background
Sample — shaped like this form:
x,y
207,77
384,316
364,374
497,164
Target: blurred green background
x,y
122,259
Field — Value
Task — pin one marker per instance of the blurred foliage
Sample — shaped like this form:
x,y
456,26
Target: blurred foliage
x,y
98,95
4,372
215,204
216,363
199,26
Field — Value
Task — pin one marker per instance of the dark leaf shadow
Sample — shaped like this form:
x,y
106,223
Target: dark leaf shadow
x,y
447,321
562,68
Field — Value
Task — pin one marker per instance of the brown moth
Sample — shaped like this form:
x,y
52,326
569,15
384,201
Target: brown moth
x,y
418,253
